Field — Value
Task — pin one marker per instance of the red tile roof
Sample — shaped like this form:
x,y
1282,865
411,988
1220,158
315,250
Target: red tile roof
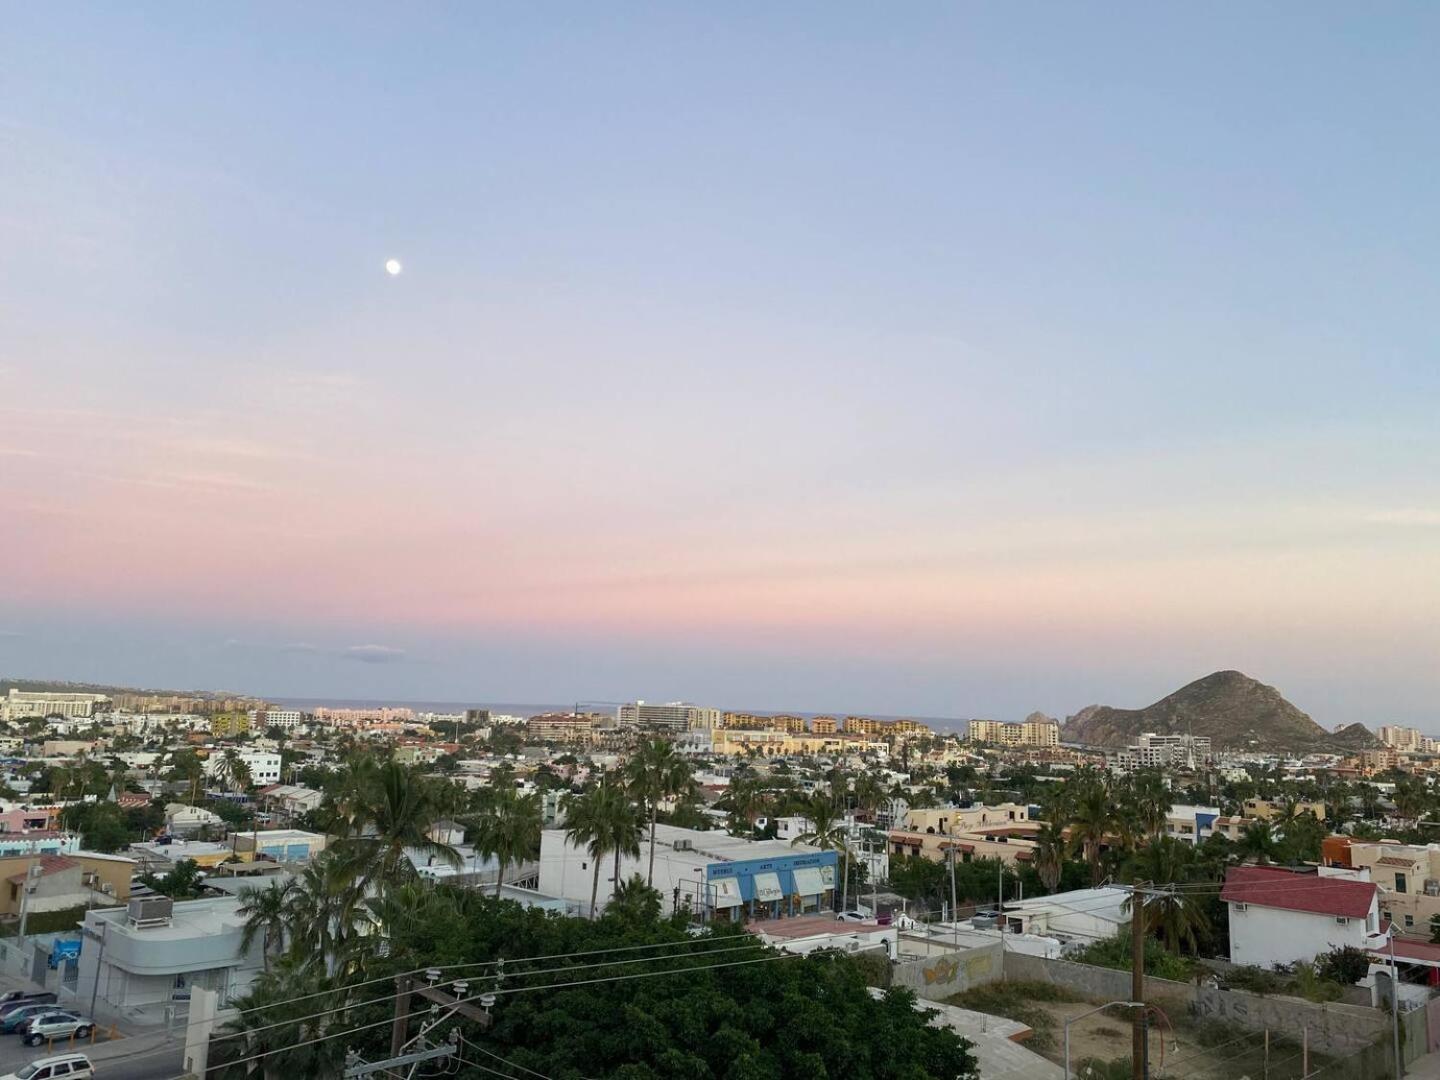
x,y
49,864
1269,886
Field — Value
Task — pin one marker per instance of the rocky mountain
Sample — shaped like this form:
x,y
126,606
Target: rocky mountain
x,y
1236,711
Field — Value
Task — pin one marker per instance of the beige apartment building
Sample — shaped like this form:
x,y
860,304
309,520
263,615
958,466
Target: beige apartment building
x,y
783,744
1002,832
1037,733
1408,876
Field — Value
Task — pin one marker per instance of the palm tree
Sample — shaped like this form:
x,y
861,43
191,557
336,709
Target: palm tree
x,y
603,820
657,772
1092,820
266,912
232,771
509,830
1149,800
1176,916
1050,854
826,831
389,819
1256,842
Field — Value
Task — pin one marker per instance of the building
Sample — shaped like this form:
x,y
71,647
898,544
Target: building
x,y
264,765
59,882
184,820
290,800
713,875
808,933
1272,809
1034,731
1280,916
673,716
560,727
142,958
1155,751
1407,875
737,743
1003,832
824,725
38,842
38,704
1405,739
284,719
161,856
1192,824
1078,917
279,845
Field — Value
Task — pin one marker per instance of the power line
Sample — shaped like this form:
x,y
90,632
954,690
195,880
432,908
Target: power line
x,y
514,1065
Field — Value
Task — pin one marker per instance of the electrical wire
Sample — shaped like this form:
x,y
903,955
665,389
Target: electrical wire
x,y
513,1064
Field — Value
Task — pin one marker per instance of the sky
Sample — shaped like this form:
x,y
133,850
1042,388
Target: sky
x,y
952,359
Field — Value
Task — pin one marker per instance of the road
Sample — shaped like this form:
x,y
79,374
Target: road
x,y
143,1058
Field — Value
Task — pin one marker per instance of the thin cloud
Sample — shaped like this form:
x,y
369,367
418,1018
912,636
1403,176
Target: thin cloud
x,y
15,451
374,654
299,647
1409,516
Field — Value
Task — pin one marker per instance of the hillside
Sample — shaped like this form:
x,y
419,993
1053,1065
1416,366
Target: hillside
x,y
1234,710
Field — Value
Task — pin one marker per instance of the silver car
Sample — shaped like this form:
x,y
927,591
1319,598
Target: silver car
x,y
55,1025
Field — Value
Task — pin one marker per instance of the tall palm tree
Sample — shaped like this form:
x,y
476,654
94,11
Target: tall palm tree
x,y
655,773
1092,821
388,819
1149,800
604,821
509,830
1050,854
266,912
826,829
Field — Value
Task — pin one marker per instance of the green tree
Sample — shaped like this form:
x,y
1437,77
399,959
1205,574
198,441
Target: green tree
x,y
635,901
509,830
184,881
386,814
1092,820
1050,848
656,773
266,913
603,820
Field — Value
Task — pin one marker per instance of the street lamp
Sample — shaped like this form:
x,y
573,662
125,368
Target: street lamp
x,y
1395,1001
1092,1012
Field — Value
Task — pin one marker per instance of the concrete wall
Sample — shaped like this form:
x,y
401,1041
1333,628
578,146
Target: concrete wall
x,y
937,977
1333,1027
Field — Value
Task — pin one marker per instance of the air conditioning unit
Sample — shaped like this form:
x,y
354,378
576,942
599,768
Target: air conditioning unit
x,y
1432,886
151,911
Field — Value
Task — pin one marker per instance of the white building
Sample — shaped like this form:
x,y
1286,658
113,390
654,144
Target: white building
x,y
151,953
1192,824
673,716
1079,917
27,704
264,765
1281,916
1154,751
285,719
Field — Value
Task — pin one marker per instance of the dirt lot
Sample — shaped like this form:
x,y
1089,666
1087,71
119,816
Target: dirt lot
x,y
1208,1053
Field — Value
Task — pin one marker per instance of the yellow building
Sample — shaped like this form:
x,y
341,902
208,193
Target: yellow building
x,y
1041,733
1270,809
229,724
783,744
824,725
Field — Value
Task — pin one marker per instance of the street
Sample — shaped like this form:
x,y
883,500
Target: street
x,y
141,1058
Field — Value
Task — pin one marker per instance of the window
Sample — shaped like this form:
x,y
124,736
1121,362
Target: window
x,y
1341,920
1409,921
1400,882
1238,907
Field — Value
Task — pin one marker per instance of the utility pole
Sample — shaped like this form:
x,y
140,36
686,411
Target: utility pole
x,y
400,1032
1137,981
954,908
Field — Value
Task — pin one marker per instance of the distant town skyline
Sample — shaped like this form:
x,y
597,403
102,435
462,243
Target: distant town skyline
x,y
949,361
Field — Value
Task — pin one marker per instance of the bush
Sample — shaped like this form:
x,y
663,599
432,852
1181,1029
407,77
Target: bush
x,y
1346,965
1257,980
1018,1001
1114,952
1096,1069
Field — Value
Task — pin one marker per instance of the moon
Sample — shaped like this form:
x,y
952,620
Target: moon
x,y
393,267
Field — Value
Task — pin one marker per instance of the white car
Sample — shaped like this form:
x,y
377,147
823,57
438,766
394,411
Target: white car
x,y
68,1066
55,1025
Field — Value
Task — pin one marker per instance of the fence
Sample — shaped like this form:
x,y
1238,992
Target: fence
x,y
938,976
1331,1027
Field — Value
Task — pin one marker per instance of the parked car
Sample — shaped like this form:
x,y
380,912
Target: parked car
x,y
54,1025
11,996
66,1066
41,997
12,1020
